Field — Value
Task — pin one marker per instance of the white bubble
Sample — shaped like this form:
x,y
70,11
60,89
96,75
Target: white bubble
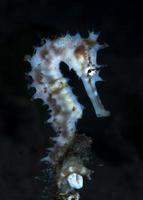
x,y
75,181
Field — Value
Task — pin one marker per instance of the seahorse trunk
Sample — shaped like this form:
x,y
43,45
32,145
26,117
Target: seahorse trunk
x,y
53,88
65,112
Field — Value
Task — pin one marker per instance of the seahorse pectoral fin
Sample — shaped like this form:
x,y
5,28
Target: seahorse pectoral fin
x,y
89,84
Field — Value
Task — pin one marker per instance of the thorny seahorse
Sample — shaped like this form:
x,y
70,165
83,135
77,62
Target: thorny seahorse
x,y
52,87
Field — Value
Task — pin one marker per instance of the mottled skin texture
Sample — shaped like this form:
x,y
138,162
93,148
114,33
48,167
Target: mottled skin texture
x,y
80,55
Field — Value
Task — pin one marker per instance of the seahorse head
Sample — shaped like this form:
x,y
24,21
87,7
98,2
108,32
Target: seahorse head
x,y
81,55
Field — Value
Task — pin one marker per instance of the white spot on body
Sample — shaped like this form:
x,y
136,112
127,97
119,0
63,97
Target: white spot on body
x,y
75,181
71,169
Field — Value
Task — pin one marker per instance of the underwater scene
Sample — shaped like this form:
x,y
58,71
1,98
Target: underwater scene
x,y
71,106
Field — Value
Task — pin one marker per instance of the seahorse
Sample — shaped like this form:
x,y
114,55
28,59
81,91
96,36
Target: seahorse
x,y
79,54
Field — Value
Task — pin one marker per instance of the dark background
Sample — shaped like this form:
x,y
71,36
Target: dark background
x,y
117,147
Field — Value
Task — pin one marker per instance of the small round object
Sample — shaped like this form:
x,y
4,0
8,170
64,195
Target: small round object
x,y
75,181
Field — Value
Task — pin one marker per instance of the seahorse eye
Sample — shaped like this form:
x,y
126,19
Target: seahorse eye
x,y
90,71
